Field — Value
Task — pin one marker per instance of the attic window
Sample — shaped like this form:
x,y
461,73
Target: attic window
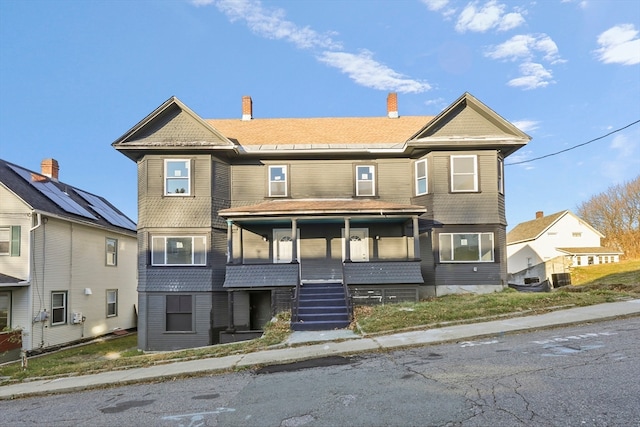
x,y
576,234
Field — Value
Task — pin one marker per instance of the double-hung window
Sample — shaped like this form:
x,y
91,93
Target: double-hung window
x,y
112,251
179,313
421,177
464,173
365,180
466,247
500,175
182,250
10,240
277,181
58,308
177,177
112,302
5,310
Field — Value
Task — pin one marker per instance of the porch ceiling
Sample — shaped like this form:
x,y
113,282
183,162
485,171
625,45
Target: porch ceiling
x,y
327,209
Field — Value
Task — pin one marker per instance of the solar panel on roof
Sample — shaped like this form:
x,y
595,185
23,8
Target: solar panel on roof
x,y
53,193
106,211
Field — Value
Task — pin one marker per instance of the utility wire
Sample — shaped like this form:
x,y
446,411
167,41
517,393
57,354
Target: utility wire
x,y
575,146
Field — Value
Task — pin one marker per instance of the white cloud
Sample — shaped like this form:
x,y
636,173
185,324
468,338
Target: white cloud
x,y
526,46
366,71
526,125
361,68
435,5
533,76
623,146
520,158
490,15
619,45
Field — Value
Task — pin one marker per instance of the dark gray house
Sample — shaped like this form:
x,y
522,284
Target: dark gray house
x,y
241,218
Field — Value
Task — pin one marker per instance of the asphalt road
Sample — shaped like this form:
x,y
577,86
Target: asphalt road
x,y
584,375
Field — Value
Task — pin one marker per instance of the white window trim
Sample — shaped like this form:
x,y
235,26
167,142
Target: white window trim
x,y
425,177
286,180
188,178
63,307
164,251
452,261
500,175
475,173
373,181
114,302
107,253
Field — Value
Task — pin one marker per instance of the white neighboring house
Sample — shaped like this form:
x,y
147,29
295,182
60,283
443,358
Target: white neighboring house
x,y
68,260
561,234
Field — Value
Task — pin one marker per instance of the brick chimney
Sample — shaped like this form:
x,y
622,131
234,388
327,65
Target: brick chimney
x,y
50,168
539,214
247,108
392,105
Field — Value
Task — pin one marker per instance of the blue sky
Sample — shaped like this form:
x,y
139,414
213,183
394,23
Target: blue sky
x,y
76,75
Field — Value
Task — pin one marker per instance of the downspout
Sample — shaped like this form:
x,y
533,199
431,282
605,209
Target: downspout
x,y
29,276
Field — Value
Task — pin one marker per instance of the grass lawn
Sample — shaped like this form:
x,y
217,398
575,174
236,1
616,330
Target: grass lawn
x,y
591,285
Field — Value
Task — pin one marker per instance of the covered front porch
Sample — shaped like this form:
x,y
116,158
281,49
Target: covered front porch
x,y
285,244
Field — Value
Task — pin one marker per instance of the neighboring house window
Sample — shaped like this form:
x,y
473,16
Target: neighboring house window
x,y
112,251
466,247
421,177
5,309
277,181
365,181
58,308
112,302
500,175
579,260
183,250
464,173
177,177
179,313
10,240
552,233
578,234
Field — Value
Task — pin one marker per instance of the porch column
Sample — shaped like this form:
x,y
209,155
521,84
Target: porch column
x,y
294,241
416,238
231,327
229,241
347,239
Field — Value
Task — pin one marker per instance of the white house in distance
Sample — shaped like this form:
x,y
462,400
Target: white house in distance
x,y
68,260
546,238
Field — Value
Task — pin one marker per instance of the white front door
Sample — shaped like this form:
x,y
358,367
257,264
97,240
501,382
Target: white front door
x,y
283,245
358,244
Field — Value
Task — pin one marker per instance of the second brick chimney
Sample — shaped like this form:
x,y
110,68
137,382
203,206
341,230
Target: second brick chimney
x,y
539,214
247,108
392,105
50,168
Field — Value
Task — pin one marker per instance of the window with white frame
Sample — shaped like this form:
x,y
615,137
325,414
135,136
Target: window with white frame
x,y
177,173
178,250
10,240
179,313
58,308
466,247
464,173
112,302
500,175
112,251
277,181
365,181
5,310
421,177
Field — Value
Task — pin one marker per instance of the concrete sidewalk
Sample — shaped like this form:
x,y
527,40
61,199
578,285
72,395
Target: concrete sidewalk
x,y
322,344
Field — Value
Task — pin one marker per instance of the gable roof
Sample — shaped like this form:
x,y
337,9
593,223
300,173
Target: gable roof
x,y
466,124
531,230
56,198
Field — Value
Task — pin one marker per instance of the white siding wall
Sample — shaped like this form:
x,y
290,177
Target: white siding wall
x,y
71,257
14,212
547,243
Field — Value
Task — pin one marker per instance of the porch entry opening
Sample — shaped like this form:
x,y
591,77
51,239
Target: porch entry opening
x,y
358,244
260,309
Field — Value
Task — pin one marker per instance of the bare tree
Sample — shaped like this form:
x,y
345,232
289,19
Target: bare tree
x,y
616,214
